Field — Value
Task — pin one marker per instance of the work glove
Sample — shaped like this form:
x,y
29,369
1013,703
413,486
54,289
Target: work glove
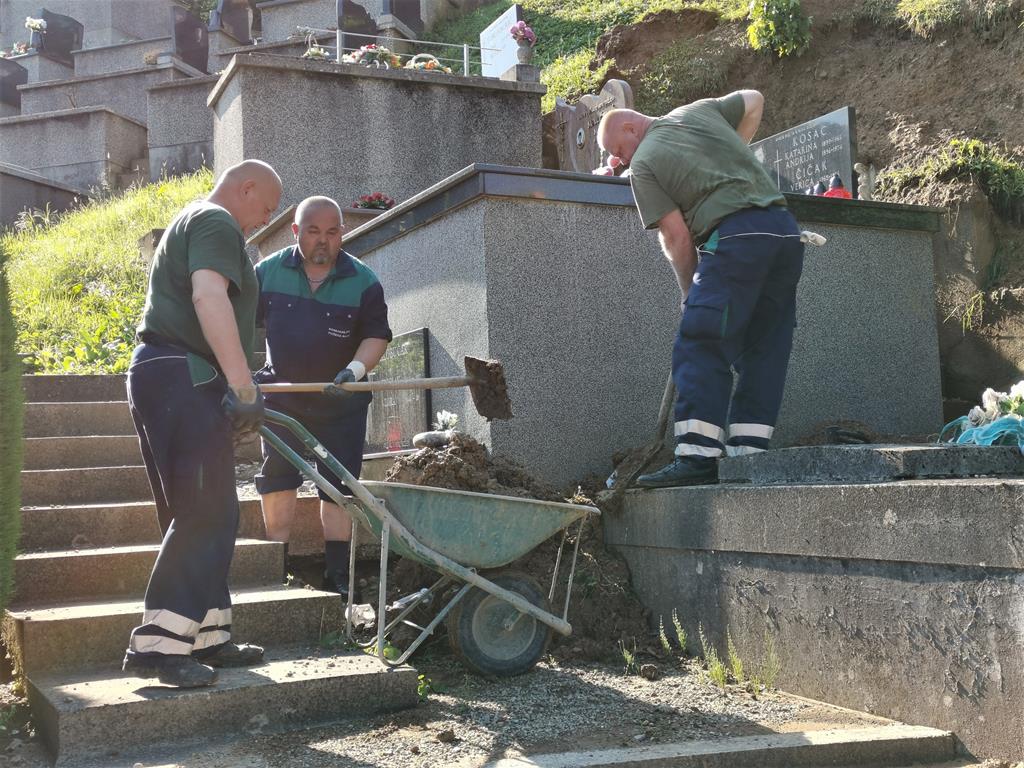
x,y
244,411
344,377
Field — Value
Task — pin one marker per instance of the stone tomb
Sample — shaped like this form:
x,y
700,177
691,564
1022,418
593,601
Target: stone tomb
x,y
497,48
62,35
20,188
105,59
448,122
179,126
570,132
191,39
553,274
107,22
80,148
12,74
800,157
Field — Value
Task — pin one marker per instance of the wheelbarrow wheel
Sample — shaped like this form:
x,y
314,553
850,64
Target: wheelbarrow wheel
x,y
491,637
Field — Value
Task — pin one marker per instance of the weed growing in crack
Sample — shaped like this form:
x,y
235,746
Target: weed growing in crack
x,y
680,632
733,657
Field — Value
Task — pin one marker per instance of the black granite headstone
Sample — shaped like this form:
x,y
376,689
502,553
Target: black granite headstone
x,y
356,24
191,38
12,74
395,417
62,36
406,11
800,157
232,17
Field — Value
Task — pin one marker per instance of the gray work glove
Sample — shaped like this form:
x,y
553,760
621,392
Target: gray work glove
x,y
346,376
245,411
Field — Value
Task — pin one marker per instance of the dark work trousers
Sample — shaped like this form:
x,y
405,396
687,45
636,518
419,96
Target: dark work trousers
x,y
740,315
188,449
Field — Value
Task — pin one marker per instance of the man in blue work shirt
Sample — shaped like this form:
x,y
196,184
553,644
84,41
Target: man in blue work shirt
x,y
326,320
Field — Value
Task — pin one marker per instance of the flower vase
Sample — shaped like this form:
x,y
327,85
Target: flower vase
x,y
524,52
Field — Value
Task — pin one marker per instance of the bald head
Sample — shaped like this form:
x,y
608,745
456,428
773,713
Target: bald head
x,y
250,191
313,206
621,131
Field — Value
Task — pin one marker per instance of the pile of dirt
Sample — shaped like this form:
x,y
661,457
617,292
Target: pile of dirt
x,y
603,609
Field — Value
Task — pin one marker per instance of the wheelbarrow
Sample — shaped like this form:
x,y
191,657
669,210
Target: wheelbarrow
x,y
499,622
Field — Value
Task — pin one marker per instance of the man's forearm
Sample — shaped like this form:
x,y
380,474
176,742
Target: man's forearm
x,y
370,351
217,320
683,257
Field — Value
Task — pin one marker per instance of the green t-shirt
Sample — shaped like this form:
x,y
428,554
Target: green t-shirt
x,y
693,159
202,236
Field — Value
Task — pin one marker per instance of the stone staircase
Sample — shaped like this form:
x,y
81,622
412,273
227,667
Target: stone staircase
x,y
89,540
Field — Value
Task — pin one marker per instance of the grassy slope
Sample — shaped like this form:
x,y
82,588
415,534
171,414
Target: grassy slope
x,y
10,440
77,285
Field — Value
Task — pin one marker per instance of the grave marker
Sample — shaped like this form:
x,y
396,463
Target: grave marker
x,y
62,36
232,18
499,49
800,157
570,132
191,38
406,11
12,74
394,417
356,25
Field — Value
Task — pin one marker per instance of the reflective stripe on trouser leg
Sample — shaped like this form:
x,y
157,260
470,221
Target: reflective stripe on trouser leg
x,y
192,453
215,629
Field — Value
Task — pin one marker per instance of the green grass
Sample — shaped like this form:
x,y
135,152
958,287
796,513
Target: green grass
x,y
77,281
928,17
684,72
568,30
10,438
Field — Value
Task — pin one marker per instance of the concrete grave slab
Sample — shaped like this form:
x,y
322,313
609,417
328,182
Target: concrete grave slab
x,y
106,22
871,464
22,189
80,148
101,60
179,126
42,68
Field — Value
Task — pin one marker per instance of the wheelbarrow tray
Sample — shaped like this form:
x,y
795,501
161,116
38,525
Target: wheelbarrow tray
x,y
476,530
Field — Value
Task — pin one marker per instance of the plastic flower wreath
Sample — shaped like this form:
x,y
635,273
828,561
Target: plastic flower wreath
x,y
428,63
377,200
522,33
373,55
999,420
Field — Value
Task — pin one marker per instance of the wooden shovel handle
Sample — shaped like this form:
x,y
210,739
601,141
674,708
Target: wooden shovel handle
x,y
441,382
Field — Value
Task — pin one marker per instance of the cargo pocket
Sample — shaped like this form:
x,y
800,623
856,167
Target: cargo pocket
x,y
705,319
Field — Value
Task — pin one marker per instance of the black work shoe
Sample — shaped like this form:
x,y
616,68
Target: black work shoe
x,y
685,470
232,655
176,670
338,582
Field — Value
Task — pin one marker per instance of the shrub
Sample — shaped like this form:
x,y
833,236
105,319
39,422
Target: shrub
x,y
570,77
924,17
10,439
684,72
780,26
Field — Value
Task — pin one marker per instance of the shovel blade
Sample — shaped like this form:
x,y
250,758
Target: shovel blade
x,y
488,388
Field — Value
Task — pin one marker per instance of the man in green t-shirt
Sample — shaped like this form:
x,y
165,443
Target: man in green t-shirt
x,y
190,390
695,179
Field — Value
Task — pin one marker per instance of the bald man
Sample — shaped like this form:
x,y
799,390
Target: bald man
x,y
326,320
695,179
190,390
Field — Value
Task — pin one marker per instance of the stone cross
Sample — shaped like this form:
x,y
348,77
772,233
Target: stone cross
x,y
570,132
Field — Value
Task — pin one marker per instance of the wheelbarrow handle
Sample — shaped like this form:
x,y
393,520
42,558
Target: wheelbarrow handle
x,y
440,382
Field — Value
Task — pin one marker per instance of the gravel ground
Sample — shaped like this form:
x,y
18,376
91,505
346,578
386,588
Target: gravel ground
x,y
468,721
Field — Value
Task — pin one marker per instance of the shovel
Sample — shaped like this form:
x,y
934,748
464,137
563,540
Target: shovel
x,y
485,379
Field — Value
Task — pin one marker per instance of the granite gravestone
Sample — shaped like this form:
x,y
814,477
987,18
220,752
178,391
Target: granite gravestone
x,y
395,417
12,74
191,38
406,11
800,157
232,18
570,132
498,49
356,24
62,36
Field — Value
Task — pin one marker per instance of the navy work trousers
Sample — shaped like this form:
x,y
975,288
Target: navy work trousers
x,y
188,450
740,314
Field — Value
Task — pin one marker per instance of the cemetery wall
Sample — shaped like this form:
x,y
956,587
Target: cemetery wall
x,y
112,58
179,126
123,92
77,147
582,309
396,131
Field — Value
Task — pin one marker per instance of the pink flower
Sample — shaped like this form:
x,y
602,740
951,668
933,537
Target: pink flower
x,y
614,162
604,170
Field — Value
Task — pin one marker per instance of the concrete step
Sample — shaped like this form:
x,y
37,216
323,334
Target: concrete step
x,y
90,574
118,525
82,451
876,746
45,388
97,715
90,485
48,639
831,464
52,419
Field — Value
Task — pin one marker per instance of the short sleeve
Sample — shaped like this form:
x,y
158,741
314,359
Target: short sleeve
x,y
214,243
731,107
652,201
373,314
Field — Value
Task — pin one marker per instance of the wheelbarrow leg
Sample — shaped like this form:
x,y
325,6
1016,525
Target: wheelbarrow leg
x,y
351,578
382,588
